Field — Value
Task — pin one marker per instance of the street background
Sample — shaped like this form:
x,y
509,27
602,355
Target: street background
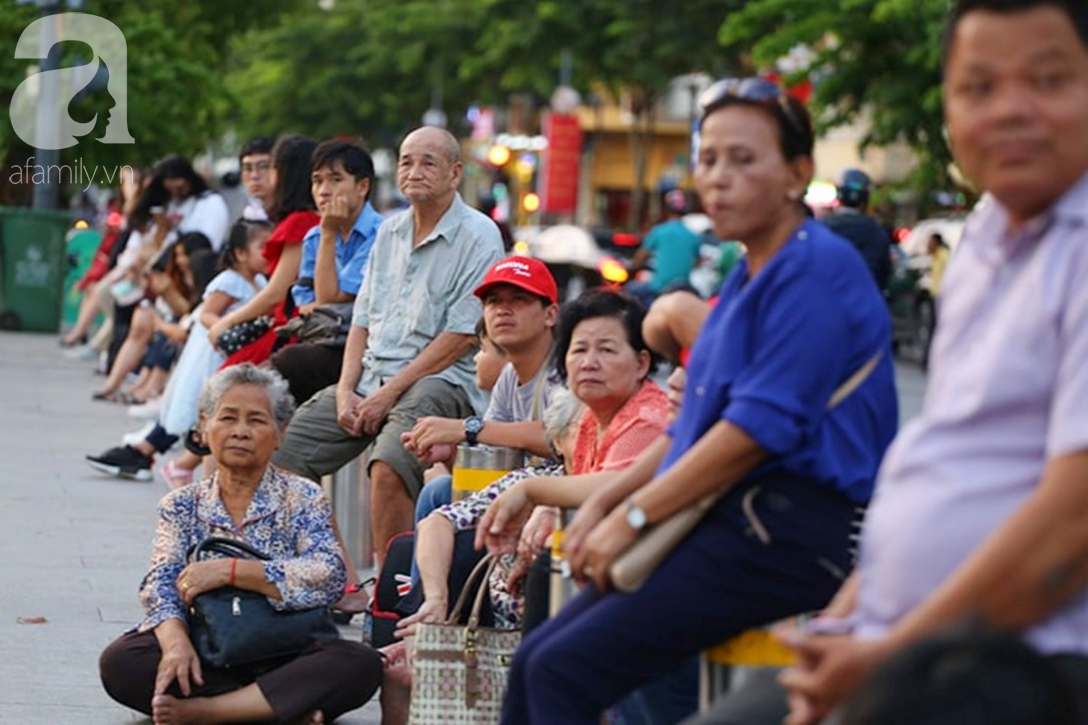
x,y
74,544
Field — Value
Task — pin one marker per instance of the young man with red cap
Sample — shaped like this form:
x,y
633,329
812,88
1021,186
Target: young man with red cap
x,y
520,311
519,298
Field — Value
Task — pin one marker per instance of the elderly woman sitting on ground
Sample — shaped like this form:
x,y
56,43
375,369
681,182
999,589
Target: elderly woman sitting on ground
x,y
155,668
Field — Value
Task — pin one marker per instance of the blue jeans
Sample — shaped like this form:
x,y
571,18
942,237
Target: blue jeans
x,y
720,581
160,352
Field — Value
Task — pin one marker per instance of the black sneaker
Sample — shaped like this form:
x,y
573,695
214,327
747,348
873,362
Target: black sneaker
x,y
124,462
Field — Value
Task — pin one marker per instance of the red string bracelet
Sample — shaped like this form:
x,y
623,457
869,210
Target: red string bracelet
x,y
233,567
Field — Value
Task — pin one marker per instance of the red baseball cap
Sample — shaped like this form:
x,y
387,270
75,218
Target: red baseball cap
x,y
527,273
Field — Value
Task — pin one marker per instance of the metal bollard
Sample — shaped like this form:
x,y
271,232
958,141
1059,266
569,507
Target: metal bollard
x,y
349,491
477,467
562,588
727,665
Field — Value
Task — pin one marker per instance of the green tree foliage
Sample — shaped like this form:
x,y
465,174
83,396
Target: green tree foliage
x,y
877,57
177,100
370,68
367,68
633,48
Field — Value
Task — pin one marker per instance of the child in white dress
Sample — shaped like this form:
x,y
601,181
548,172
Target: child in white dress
x,y
243,266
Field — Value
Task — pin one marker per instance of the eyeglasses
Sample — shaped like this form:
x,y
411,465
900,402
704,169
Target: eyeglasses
x,y
753,90
257,168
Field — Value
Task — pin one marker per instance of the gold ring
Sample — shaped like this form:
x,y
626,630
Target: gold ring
x,y
186,586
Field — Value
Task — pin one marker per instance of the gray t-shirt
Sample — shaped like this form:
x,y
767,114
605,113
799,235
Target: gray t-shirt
x,y
513,403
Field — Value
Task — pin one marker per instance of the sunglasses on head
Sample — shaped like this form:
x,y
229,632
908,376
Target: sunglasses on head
x,y
752,90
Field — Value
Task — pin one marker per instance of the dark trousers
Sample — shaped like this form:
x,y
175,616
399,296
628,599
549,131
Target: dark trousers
x,y
160,440
160,352
721,580
333,676
308,368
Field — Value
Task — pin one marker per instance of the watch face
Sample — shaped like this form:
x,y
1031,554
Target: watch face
x,y
473,425
636,517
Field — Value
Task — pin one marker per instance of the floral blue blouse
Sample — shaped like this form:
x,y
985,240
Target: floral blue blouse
x,y
289,519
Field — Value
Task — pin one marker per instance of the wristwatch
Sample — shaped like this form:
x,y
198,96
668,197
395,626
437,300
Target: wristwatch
x,y
473,426
636,517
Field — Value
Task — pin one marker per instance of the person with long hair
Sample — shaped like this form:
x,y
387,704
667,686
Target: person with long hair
x,y
155,324
294,213
242,276
125,252
180,201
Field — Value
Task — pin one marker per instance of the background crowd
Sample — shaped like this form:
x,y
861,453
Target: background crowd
x,y
783,410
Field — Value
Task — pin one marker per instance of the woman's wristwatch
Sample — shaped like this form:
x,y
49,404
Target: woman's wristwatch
x,y
636,517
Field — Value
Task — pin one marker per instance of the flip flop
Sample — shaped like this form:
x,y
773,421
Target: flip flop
x,y
175,476
126,398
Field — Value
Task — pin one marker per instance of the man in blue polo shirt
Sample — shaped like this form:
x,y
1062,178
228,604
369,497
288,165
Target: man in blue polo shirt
x,y
334,257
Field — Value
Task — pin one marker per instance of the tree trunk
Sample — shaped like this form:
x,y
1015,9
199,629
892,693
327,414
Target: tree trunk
x,y
642,138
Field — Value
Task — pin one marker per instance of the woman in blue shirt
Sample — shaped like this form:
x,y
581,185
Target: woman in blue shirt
x,y
797,317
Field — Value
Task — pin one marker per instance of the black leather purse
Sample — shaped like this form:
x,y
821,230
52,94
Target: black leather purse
x,y
245,333
326,324
232,626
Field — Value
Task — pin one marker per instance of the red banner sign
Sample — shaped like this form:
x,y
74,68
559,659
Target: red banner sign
x,y
562,164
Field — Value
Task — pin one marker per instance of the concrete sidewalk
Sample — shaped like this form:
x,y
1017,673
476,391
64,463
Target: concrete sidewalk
x,y
74,544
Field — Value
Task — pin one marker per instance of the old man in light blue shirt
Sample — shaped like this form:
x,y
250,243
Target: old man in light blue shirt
x,y
408,354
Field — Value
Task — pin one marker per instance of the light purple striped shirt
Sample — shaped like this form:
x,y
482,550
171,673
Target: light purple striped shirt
x,y
1008,391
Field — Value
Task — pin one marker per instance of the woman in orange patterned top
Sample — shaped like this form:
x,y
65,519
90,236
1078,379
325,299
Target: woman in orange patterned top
x,y
606,364
601,355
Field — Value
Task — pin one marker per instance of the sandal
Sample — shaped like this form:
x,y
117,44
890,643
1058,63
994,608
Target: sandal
x,y
176,477
126,397
194,443
67,343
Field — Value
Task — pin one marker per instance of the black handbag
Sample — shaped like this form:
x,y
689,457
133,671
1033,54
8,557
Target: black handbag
x,y
232,626
327,324
238,336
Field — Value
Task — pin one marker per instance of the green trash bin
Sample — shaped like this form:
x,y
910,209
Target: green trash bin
x,y
33,263
82,243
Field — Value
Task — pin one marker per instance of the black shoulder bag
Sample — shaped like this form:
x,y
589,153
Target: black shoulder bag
x,y
232,626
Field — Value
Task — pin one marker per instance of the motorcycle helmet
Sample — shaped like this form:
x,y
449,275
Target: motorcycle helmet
x,y
853,189
676,201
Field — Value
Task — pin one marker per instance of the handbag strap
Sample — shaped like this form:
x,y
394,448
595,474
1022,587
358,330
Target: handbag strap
x,y
841,393
536,412
476,581
854,381
481,593
226,546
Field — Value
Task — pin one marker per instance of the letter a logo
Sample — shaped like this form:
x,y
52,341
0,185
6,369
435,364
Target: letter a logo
x,y
108,43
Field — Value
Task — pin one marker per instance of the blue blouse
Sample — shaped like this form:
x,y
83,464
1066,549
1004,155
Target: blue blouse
x,y
773,351
289,519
